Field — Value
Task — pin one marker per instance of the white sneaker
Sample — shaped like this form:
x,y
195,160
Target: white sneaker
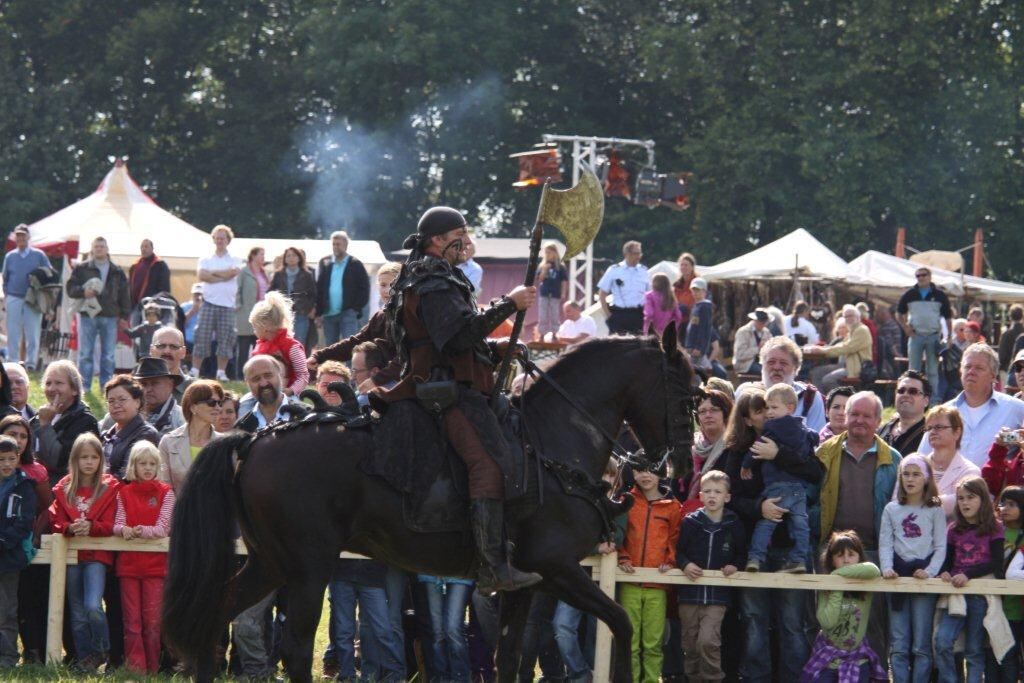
x,y
194,372
222,376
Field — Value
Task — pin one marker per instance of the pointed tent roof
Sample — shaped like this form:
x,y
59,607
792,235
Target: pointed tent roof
x,y
120,211
775,260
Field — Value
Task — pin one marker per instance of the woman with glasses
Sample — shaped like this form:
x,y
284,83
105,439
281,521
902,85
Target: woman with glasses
x,y
945,428
708,445
124,405
201,407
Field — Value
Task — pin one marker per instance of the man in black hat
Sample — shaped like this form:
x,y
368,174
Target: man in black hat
x,y
440,334
158,382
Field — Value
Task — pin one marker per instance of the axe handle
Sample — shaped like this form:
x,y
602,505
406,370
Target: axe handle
x,y
517,326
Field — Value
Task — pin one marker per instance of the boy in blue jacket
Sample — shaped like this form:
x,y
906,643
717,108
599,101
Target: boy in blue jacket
x,y
790,433
710,538
17,514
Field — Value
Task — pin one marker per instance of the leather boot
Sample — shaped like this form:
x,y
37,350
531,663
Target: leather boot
x,y
496,572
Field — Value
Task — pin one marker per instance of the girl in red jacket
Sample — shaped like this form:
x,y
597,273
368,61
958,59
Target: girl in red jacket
x,y
271,321
84,503
144,507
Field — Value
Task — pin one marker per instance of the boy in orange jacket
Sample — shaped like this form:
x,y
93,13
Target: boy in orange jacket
x,y
652,531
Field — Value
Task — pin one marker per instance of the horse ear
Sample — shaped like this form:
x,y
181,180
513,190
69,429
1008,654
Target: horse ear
x,y
670,342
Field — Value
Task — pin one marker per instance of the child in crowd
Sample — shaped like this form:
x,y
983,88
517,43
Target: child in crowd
x,y
271,321
841,651
652,532
144,506
1011,504
34,583
17,513
710,538
974,548
84,504
912,542
143,334
790,433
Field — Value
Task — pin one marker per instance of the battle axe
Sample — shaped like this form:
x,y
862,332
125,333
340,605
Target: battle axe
x,y
576,213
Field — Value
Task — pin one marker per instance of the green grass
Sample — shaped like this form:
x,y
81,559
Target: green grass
x,y
94,399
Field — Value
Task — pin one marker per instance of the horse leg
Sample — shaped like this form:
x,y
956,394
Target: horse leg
x,y
513,611
572,585
305,604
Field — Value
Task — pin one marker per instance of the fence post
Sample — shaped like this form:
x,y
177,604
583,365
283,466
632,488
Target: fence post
x,y
58,586
603,651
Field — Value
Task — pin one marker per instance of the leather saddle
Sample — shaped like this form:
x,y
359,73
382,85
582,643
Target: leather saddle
x,y
412,455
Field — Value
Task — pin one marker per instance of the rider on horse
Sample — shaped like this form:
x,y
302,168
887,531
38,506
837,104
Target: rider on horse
x,y
439,331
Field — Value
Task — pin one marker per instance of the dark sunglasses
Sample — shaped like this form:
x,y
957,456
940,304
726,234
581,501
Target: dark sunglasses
x,y
211,402
909,390
1017,368
921,274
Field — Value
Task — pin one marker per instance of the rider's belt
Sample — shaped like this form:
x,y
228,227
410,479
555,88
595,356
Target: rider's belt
x,y
436,397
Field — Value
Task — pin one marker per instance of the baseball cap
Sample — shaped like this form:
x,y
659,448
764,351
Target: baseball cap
x,y
699,283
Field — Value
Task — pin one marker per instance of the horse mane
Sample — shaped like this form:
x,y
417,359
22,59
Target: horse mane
x,y
591,355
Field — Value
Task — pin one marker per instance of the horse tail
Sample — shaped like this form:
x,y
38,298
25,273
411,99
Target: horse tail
x,y
201,561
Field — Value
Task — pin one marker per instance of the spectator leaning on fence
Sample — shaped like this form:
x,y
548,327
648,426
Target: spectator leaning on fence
x,y
23,321
985,411
104,305
219,275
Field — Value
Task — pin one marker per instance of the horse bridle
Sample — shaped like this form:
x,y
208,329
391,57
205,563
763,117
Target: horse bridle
x,y
638,459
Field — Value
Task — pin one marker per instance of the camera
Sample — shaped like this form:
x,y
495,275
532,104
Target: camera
x,y
1011,437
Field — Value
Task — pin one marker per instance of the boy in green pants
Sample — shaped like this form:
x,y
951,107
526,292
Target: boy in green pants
x,y
652,530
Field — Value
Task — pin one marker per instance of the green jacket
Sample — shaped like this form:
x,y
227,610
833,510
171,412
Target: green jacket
x,y
830,453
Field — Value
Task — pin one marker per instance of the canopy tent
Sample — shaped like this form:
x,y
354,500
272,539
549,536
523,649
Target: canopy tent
x,y
799,250
117,209
877,271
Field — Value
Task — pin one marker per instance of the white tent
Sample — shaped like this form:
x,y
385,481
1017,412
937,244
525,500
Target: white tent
x,y
774,261
875,270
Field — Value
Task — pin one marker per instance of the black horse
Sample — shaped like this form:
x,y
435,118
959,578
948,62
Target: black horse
x,y
300,498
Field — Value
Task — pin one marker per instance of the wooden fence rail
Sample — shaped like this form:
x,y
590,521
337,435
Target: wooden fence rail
x,y
60,551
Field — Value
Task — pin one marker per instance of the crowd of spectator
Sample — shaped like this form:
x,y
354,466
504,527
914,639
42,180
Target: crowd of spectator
x,y
789,475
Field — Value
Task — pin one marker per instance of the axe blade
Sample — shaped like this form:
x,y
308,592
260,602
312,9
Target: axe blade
x,y
576,213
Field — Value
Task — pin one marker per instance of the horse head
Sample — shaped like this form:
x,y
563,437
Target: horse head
x,y
663,421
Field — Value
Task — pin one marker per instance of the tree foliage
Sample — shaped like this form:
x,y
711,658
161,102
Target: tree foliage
x,y
298,116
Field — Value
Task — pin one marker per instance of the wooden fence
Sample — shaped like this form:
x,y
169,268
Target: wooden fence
x,y
60,551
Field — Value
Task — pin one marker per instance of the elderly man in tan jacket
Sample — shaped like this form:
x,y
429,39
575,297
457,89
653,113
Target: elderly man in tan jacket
x,y
852,352
748,342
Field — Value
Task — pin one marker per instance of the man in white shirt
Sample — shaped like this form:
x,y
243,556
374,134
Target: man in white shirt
x,y
627,282
575,328
984,410
219,275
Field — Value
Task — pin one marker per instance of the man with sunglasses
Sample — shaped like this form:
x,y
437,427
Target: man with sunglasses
x,y
920,312
169,345
906,429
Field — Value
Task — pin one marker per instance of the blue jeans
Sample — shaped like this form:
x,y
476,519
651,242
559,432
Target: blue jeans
x,y
340,326
88,329
785,611
974,642
300,329
394,590
794,499
448,626
85,584
926,345
373,603
910,638
23,321
567,635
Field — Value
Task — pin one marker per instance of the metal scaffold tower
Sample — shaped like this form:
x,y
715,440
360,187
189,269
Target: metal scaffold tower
x,y
584,153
